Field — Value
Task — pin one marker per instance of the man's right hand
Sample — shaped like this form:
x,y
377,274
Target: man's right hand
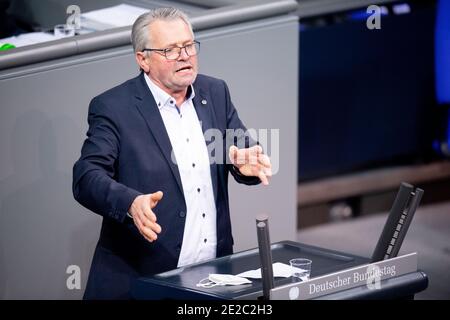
x,y
143,215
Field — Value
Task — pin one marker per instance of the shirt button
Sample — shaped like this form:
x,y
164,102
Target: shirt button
x,y
182,214
171,101
187,139
198,190
193,165
203,215
205,240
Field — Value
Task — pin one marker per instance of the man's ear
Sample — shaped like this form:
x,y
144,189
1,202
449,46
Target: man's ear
x,y
142,61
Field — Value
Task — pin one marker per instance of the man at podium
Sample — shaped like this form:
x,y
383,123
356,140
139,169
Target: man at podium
x,y
146,165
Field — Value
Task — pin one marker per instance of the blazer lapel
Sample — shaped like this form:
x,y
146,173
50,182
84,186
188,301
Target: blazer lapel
x,y
205,113
147,107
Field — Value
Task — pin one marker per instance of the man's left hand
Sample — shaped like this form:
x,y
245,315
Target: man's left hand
x,y
252,162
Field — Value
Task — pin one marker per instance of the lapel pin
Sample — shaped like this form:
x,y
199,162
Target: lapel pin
x,y
204,101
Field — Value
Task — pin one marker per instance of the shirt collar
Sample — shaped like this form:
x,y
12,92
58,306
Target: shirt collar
x,y
162,98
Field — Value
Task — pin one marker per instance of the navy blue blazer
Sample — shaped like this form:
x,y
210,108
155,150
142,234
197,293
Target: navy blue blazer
x,y
127,153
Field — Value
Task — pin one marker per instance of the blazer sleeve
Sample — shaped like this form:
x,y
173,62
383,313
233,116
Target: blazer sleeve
x,y
241,139
93,185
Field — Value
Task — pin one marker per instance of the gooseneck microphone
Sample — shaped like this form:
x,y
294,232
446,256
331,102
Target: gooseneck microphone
x,y
265,254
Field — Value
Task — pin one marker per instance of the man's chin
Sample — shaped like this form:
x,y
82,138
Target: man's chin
x,y
186,81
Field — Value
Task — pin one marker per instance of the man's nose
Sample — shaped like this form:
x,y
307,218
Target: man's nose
x,y
183,55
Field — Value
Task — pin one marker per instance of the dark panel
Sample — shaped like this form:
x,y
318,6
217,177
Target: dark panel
x,y
366,97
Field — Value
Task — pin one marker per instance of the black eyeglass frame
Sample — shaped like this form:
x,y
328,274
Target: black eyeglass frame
x,y
164,51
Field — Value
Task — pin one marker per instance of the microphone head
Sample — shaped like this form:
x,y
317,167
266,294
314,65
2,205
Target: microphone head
x,y
262,218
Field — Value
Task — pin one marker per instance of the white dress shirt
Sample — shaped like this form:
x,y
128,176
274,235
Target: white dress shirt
x,y
191,155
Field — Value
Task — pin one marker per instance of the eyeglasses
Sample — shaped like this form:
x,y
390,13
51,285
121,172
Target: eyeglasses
x,y
173,53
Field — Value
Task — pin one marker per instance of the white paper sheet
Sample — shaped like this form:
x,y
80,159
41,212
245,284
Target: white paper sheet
x,y
27,39
117,16
280,270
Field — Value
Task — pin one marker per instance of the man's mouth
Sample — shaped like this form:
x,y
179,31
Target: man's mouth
x,y
185,68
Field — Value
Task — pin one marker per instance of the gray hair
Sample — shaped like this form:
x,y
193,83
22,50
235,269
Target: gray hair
x,y
140,35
